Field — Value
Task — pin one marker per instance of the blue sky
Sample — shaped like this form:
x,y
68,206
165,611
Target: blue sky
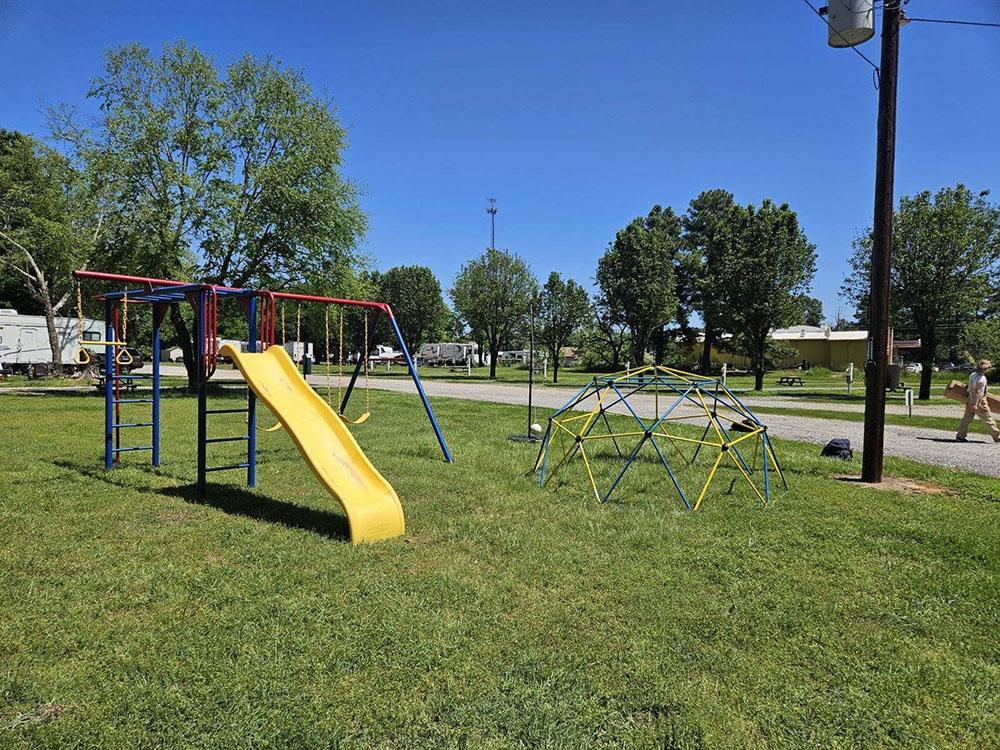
x,y
576,116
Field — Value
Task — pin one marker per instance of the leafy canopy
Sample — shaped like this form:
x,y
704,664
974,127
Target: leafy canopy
x,y
563,309
636,276
492,294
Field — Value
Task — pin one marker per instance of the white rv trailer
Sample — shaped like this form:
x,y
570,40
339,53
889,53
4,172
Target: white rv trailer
x,y
447,353
24,340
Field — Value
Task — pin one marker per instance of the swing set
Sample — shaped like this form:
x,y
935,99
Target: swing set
x,y
258,308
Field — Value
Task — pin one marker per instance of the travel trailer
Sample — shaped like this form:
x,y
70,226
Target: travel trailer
x,y
24,341
449,354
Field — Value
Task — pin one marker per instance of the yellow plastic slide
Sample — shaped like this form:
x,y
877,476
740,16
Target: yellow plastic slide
x,y
371,504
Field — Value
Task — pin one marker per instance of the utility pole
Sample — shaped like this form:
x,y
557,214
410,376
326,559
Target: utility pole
x,y
492,211
877,366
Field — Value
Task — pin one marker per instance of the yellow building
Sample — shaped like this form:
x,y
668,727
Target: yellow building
x,y
818,345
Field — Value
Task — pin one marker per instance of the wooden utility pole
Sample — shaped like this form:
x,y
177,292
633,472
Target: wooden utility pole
x,y
877,366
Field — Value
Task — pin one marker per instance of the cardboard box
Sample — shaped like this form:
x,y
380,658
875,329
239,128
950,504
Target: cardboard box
x,y
959,391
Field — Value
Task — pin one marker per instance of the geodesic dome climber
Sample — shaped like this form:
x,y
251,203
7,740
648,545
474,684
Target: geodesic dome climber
x,y
664,409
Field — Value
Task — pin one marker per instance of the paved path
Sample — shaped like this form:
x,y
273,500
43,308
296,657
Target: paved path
x,y
929,446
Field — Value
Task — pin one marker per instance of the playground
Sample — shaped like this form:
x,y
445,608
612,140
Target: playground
x,y
141,613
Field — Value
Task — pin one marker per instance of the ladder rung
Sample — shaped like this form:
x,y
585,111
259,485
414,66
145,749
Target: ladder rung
x,y
131,377
227,468
132,401
136,448
227,439
226,411
133,424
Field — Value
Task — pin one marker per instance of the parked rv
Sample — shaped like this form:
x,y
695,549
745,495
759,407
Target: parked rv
x,y
447,354
24,341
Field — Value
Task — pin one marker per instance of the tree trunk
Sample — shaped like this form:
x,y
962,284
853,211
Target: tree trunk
x,y
658,351
55,345
706,351
638,351
187,347
555,370
758,377
494,353
927,363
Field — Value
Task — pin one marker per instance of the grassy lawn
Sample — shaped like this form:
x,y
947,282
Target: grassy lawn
x,y
935,423
135,615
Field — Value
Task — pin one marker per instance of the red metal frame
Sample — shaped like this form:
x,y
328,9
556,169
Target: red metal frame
x,y
149,281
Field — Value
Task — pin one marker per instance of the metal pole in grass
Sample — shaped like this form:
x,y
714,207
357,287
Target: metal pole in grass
x,y
529,437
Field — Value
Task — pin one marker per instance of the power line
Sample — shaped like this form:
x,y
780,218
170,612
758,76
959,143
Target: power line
x,y
858,52
955,22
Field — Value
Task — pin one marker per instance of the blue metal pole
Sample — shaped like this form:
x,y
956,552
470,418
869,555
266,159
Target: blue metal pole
x,y
202,394
251,398
420,388
109,373
156,391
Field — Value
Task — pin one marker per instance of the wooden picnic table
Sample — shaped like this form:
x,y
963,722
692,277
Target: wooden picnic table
x,y
791,380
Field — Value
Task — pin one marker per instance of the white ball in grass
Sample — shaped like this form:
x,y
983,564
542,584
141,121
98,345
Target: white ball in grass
x,y
536,429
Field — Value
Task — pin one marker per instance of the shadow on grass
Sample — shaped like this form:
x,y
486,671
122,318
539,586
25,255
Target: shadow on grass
x,y
237,501
234,501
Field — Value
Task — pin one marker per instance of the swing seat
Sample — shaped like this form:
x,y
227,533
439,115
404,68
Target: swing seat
x,y
360,420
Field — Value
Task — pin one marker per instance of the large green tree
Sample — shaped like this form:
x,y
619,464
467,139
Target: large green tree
x,y
563,310
228,176
946,249
51,218
767,264
492,294
636,277
708,225
415,296
812,310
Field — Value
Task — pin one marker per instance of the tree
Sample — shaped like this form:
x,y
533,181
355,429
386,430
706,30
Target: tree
x,y
563,309
415,296
767,265
812,310
946,249
636,276
50,221
708,225
231,178
492,294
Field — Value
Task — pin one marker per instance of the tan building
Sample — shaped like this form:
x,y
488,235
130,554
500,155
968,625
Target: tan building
x,y
819,346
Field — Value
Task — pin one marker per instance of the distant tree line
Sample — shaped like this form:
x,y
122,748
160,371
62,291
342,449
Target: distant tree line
x,y
232,176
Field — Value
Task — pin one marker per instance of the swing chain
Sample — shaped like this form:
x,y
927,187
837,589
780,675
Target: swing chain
x,y
329,361
340,362
365,354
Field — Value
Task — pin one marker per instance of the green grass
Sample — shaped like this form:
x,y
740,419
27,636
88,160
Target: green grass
x,y
934,423
135,615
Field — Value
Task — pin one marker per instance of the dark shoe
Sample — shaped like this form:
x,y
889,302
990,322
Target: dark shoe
x,y
961,440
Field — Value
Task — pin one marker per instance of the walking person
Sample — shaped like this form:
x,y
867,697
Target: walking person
x,y
976,404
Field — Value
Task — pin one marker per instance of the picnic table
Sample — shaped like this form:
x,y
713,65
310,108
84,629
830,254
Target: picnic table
x,y
791,380
127,384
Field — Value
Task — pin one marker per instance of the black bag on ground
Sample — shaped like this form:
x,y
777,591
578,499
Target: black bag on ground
x,y
840,448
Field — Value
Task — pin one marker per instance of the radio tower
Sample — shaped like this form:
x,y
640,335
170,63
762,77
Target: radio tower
x,y
492,211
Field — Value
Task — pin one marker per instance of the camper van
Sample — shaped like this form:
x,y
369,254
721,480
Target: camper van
x,y
24,341
449,354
